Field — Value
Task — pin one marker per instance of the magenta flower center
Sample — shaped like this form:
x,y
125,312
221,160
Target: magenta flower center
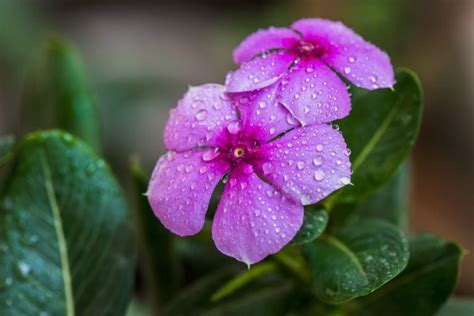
x,y
311,48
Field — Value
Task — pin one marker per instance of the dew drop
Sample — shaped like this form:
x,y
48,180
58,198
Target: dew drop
x,y
351,59
234,127
291,120
347,70
201,115
262,104
22,270
300,165
210,154
203,169
319,174
318,161
267,168
345,180
319,147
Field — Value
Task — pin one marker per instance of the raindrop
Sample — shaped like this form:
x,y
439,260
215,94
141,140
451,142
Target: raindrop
x,y
210,154
345,180
262,104
201,115
234,127
351,59
291,120
319,147
347,70
300,165
22,270
319,174
272,130
203,169
248,169
318,161
267,168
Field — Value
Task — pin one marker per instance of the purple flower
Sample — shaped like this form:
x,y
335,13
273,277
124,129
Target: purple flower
x,y
302,59
211,135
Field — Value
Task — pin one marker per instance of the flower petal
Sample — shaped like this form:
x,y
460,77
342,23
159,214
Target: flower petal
x,y
199,118
254,219
263,41
308,163
259,72
180,189
260,111
313,93
361,62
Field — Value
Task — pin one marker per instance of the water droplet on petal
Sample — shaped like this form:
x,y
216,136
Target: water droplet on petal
x,y
318,161
345,180
201,115
247,169
319,174
267,168
291,120
203,169
347,70
210,154
351,59
234,127
262,104
300,165
319,147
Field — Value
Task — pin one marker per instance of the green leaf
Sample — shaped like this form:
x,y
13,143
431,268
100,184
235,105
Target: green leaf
x,y
6,147
355,260
243,279
268,295
315,221
274,301
163,273
197,296
457,307
65,237
380,131
389,203
57,94
424,286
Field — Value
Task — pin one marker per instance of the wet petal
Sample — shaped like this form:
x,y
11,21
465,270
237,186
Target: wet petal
x,y
259,72
260,111
361,62
262,41
313,93
254,219
200,117
181,187
308,163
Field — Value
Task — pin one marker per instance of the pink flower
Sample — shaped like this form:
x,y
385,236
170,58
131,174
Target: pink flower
x,y
301,60
211,134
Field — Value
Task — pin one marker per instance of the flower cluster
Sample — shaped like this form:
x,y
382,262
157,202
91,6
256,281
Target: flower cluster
x,y
267,133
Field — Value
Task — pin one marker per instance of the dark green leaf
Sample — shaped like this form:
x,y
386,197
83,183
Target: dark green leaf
x,y
197,296
271,301
355,260
163,273
457,307
380,131
65,237
315,221
58,95
269,295
6,146
424,286
242,279
389,203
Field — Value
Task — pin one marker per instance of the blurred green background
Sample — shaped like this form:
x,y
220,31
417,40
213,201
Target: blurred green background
x,y
142,55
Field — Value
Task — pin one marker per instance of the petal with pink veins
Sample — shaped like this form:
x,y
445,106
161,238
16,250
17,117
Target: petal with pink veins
x,y
262,41
259,72
361,62
180,189
199,118
254,219
308,163
313,93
